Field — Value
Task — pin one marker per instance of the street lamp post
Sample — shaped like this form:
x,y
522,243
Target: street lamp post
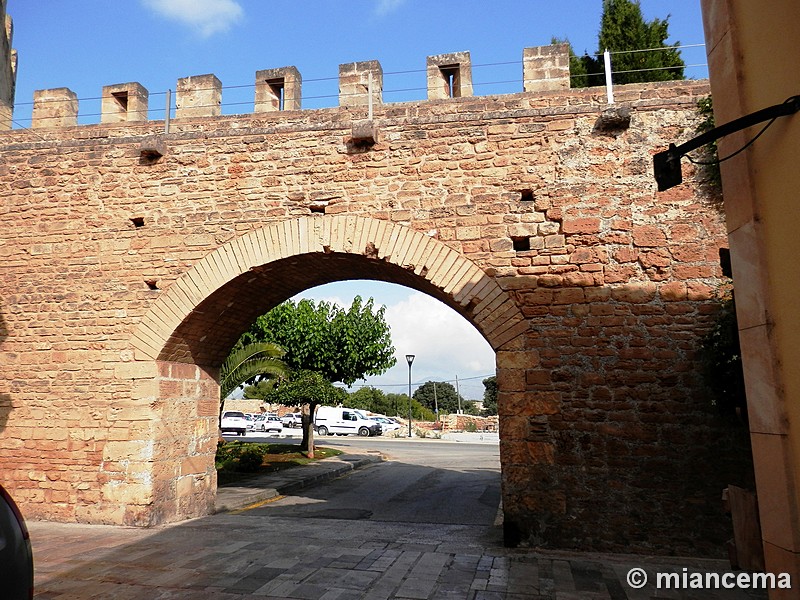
x,y
410,359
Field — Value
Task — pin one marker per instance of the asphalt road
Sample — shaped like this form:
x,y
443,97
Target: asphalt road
x,y
421,482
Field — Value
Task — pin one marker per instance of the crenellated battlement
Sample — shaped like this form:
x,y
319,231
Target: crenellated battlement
x,y
545,68
8,69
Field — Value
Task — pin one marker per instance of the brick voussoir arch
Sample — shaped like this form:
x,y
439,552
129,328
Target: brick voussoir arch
x,y
476,294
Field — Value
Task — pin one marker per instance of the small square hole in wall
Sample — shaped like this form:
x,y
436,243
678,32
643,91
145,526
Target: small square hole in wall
x,y
521,244
318,208
526,196
151,284
137,221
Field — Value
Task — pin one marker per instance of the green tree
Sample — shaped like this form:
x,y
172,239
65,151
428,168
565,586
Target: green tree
x,y
307,389
638,47
624,30
490,396
370,399
419,412
340,345
260,390
442,394
248,362
343,345
398,404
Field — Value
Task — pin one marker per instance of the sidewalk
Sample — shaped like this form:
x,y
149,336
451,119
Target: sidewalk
x,y
236,554
264,487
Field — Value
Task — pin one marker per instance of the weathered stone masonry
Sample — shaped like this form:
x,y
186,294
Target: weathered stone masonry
x,y
132,259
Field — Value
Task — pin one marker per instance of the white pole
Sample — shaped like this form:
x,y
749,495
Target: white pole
x,y
609,85
458,395
169,110
369,91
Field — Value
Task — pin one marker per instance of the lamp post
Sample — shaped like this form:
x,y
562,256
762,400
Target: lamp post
x,y
410,359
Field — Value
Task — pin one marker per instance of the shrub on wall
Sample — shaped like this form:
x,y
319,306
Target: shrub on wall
x,y
721,360
707,159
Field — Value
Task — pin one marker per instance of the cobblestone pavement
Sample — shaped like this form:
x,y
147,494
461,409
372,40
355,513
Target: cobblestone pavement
x,y
233,556
239,554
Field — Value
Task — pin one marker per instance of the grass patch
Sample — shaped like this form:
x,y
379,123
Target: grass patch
x,y
242,460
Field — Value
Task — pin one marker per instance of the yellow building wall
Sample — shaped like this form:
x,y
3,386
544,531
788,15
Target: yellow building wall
x,y
754,62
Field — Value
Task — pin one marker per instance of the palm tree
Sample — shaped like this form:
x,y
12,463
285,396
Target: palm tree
x,y
245,363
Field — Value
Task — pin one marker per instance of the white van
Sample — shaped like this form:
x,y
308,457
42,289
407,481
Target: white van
x,y
343,421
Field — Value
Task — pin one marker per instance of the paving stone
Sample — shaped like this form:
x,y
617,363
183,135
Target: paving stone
x,y
197,561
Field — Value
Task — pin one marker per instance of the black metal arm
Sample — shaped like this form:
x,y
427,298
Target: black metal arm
x,y
667,164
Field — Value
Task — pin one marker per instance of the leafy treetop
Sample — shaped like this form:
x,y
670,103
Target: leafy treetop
x,y
342,345
394,405
639,48
306,387
490,396
442,394
248,362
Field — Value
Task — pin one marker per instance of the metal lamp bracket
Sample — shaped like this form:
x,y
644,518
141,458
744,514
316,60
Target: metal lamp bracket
x,y
667,164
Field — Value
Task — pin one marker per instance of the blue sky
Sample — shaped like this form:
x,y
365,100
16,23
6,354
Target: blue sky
x,y
86,44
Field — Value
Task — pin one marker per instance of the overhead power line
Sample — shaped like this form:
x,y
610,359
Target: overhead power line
x,y
385,91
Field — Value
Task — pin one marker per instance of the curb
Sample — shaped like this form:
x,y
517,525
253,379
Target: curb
x,y
236,497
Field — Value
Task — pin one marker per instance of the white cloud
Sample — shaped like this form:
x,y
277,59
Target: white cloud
x,y
206,17
445,344
384,7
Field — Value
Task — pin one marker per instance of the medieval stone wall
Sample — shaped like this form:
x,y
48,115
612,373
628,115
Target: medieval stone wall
x,y
128,273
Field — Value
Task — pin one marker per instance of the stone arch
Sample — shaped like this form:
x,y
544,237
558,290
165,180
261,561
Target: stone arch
x,y
188,331
176,327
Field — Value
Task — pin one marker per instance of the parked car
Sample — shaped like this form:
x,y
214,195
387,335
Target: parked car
x,y
387,424
16,556
268,423
251,420
344,421
235,421
292,420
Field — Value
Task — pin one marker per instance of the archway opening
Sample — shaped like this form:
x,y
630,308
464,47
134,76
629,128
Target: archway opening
x,y
189,330
447,348
448,473
210,330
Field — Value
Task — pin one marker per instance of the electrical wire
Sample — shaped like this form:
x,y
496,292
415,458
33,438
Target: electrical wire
x,y
379,91
737,152
405,385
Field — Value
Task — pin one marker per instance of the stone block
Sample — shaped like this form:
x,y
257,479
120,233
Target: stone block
x,y
356,80
636,293
198,96
136,370
449,76
546,68
278,89
197,464
124,102
649,236
56,107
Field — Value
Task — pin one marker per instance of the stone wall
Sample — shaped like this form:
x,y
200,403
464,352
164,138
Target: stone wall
x,y
133,258
8,68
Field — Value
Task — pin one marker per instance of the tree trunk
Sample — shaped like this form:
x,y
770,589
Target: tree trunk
x,y
307,419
